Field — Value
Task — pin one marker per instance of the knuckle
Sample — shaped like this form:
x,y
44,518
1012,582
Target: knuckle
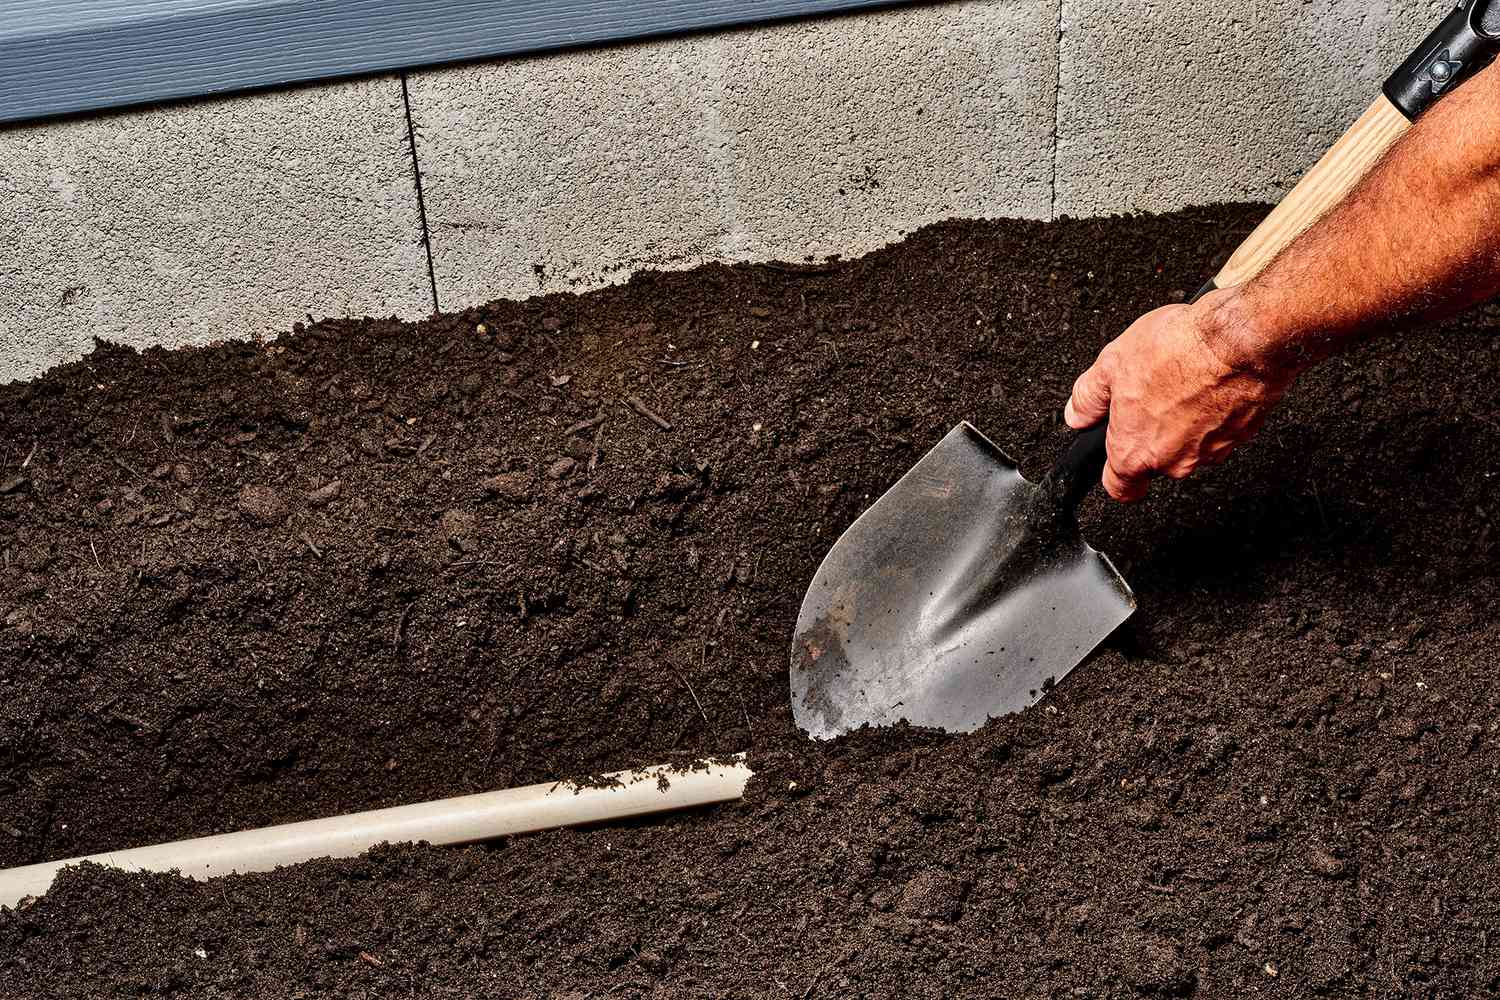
x,y
1086,386
1153,461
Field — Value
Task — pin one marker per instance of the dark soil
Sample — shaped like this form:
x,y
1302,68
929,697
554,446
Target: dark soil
x,y
375,562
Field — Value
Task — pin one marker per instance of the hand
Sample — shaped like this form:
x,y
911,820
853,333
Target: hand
x,y
1180,392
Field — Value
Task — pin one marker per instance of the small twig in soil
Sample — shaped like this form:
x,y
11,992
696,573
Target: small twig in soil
x,y
584,425
307,540
96,555
1318,500
598,439
401,628
689,685
120,462
32,454
129,720
648,413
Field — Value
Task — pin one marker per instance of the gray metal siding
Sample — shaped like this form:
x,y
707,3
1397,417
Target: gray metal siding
x,y
62,56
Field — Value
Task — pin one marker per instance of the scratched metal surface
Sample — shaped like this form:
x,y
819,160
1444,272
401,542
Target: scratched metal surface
x,y
962,593
64,56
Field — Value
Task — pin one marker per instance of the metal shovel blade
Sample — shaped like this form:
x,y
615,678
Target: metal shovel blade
x,y
959,595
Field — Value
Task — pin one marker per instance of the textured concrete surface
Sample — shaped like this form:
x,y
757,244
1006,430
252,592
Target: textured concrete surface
x,y
196,222
564,172
1167,104
810,138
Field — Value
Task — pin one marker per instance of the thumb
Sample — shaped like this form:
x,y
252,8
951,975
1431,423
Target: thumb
x,y
1089,403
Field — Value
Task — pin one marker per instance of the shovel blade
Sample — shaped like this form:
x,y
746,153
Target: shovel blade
x,y
959,595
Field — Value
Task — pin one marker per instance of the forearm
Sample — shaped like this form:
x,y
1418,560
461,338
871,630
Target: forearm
x,y
1416,240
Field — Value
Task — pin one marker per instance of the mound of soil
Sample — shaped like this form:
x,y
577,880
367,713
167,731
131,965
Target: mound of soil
x,y
375,562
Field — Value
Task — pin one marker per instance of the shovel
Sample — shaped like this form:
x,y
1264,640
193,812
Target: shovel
x,y
967,591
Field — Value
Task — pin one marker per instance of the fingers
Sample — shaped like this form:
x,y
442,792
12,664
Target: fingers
x,y
1182,468
1129,471
1089,403
1126,475
1125,488
1214,454
1172,406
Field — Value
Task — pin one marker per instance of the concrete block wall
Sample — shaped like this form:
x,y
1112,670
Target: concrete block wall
x,y
810,138
237,217
206,220
1166,104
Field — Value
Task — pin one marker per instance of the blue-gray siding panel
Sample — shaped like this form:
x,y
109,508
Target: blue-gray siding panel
x,y
61,56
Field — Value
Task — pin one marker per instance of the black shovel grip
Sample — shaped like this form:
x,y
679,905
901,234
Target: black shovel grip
x,y
1080,467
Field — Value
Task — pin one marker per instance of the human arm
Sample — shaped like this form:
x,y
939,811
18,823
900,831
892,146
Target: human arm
x,y
1416,240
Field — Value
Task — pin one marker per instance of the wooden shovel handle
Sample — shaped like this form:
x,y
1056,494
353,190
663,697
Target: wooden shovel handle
x,y
1320,189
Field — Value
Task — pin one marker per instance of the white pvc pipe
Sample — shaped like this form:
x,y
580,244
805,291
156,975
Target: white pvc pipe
x,y
462,820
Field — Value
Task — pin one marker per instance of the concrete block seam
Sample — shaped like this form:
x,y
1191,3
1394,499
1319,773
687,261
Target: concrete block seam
x,y
1056,97
416,176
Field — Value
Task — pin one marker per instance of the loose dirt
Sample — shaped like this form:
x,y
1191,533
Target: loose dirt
x,y
372,562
